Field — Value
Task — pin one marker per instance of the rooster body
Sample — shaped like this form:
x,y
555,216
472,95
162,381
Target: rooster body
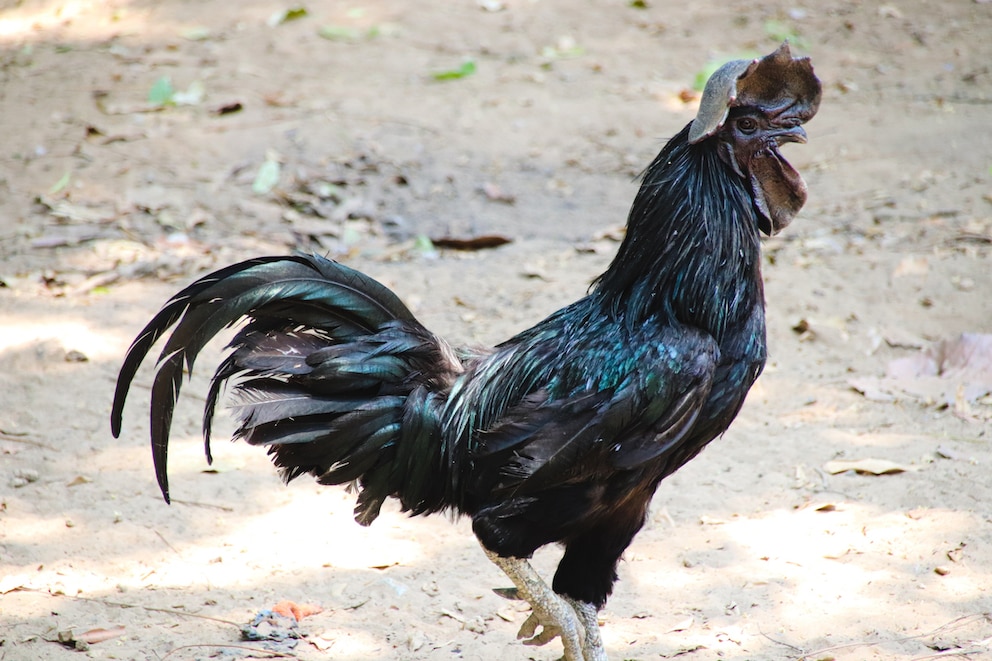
x,y
560,434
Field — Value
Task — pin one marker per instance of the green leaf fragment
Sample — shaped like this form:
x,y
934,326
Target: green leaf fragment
x,y
267,177
466,69
699,82
338,33
162,92
781,31
286,15
350,236
423,244
198,33
61,183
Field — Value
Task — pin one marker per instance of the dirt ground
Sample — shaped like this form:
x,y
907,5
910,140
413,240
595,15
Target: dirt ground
x,y
330,132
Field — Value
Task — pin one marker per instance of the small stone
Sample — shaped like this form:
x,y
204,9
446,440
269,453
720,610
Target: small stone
x,y
416,640
28,474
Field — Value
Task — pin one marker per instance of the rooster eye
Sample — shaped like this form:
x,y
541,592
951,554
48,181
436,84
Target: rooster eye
x,y
747,125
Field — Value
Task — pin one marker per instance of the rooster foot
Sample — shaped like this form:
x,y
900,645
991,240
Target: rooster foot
x,y
556,620
588,614
592,641
555,616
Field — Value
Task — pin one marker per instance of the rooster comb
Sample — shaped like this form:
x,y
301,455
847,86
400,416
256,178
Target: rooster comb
x,y
776,83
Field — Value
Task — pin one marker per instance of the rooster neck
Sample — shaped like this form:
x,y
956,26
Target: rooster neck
x,y
691,253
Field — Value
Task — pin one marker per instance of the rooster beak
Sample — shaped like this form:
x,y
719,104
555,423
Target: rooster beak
x,y
792,134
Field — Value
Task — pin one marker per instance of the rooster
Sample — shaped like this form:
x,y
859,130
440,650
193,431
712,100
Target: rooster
x,y
560,434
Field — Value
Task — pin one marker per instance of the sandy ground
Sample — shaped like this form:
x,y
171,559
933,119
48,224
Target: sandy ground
x,y
754,551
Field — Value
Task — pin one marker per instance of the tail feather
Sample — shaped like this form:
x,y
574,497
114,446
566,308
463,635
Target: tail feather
x,y
334,450
415,462
326,363
267,353
263,400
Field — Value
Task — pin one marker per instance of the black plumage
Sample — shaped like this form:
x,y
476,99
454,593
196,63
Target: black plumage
x,y
563,432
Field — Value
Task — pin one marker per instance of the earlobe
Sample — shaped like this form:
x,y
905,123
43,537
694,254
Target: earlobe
x,y
729,156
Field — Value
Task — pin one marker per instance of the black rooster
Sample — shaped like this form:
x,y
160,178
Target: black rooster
x,y
560,434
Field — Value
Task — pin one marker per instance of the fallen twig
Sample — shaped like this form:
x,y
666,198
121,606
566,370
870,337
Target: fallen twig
x,y
193,503
956,623
262,650
119,604
20,437
951,653
798,650
166,542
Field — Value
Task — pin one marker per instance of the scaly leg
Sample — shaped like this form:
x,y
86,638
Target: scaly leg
x,y
592,642
553,614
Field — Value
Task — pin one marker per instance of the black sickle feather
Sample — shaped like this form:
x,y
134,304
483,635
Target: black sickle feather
x,y
318,287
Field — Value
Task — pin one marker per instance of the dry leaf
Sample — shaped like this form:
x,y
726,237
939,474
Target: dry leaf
x,y
77,213
711,521
323,642
683,625
945,452
872,389
955,554
506,615
535,273
12,584
229,108
911,266
954,372
75,356
94,636
611,234
472,243
900,338
415,640
454,616
867,466
495,193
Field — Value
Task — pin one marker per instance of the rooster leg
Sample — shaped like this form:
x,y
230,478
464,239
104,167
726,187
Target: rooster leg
x,y
553,614
592,642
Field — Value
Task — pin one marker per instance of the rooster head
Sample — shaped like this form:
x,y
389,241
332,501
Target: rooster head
x,y
750,108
